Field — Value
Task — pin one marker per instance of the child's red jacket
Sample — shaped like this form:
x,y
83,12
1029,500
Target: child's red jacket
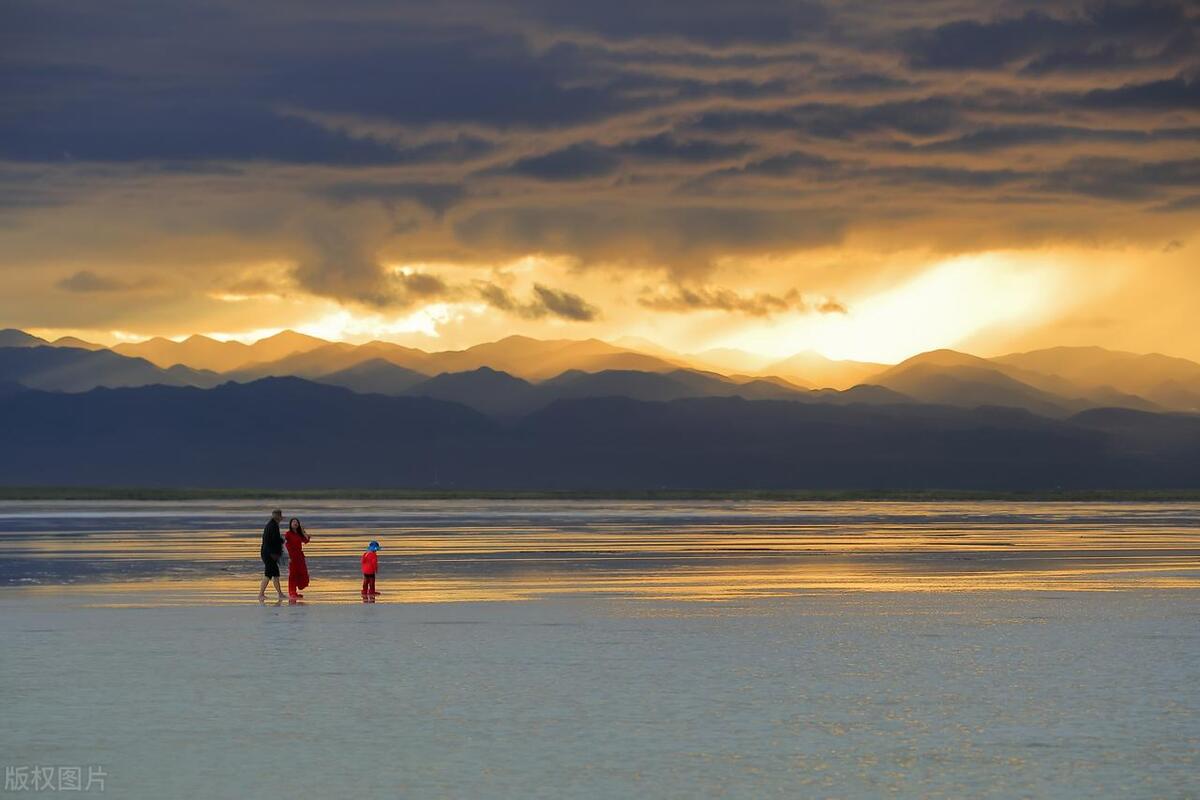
x,y
370,562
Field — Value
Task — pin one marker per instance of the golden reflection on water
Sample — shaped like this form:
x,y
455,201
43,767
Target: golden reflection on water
x,y
707,541
710,583
830,548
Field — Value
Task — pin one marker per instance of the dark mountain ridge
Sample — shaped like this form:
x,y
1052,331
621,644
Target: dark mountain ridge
x,y
68,369
291,433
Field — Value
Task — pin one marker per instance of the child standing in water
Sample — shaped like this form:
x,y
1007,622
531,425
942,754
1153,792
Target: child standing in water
x,y
370,565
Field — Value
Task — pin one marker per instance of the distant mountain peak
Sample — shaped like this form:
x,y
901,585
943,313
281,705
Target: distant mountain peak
x,y
377,365
289,335
479,373
77,343
517,338
812,355
942,353
942,357
11,337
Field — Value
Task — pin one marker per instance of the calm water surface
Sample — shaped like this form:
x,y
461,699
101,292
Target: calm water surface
x,y
610,650
442,551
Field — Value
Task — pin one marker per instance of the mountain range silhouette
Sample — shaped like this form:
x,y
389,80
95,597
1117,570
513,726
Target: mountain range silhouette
x,y
295,411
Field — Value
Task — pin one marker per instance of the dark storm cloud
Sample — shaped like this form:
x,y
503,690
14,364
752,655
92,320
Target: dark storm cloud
x,y
1175,93
499,298
1111,56
224,84
1106,57
954,177
1123,179
186,99
805,169
669,136
472,78
586,160
972,44
667,147
88,282
577,162
759,304
989,139
924,116
683,237
338,266
867,82
435,197
711,22
565,304
354,277
545,302
180,128
740,121
1138,18
921,117
1102,36
56,114
785,165
792,167
421,285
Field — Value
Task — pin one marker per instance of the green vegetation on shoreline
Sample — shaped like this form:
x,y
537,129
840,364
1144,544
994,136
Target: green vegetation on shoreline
x,y
930,495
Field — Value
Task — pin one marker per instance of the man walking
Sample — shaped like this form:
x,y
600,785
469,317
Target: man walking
x,y
272,551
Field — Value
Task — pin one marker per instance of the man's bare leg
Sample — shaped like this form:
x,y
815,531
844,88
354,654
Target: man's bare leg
x,y
278,591
262,589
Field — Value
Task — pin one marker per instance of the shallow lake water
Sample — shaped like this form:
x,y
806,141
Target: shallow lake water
x,y
605,649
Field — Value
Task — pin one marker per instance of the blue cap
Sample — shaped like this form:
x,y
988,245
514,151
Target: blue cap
x,y
373,546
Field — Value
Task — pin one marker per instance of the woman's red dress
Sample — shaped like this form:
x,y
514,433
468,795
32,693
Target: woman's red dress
x,y
297,566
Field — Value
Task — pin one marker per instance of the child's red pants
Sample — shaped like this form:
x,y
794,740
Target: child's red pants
x,y
368,584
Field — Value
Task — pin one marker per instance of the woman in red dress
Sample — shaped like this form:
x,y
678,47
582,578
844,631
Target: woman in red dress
x,y
294,540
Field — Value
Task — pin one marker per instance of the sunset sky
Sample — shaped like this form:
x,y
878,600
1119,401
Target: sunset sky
x,y
865,179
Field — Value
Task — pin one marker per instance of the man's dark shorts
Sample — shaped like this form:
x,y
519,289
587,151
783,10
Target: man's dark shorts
x,y
270,567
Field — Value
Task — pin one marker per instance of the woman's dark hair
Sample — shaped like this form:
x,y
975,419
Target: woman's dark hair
x,y
299,527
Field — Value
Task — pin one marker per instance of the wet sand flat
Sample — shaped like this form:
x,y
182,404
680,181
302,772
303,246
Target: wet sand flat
x,y
610,650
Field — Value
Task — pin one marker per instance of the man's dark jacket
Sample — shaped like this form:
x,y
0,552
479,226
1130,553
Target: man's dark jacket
x,y
272,544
